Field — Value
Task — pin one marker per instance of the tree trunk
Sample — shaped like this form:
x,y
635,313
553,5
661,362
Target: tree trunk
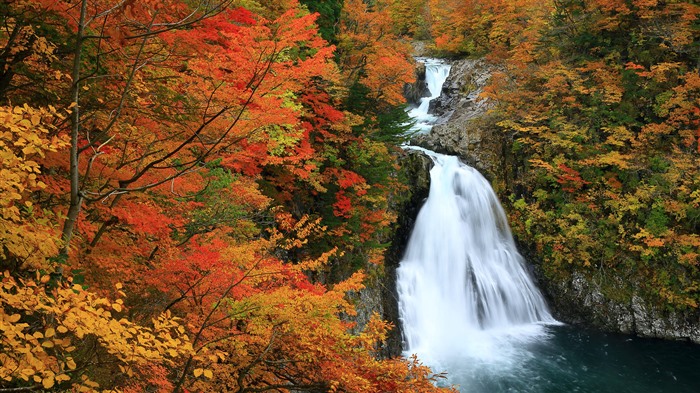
x,y
76,198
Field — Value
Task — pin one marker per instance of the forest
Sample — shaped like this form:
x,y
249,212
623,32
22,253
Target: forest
x,y
190,189
599,105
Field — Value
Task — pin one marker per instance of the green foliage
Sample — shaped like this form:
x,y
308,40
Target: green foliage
x,y
389,124
329,15
393,126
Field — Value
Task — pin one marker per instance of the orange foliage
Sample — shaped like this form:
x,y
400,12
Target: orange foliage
x,y
184,144
370,53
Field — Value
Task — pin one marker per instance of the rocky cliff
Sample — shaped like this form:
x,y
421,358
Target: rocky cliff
x,y
418,89
415,167
582,300
379,295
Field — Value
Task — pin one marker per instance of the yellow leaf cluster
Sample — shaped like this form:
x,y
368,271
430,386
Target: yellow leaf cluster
x,y
41,329
25,136
294,333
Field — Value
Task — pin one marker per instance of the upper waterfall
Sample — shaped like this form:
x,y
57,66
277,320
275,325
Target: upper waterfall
x,y
436,72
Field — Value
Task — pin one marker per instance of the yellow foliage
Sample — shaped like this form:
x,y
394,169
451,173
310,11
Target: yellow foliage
x,y
297,334
41,328
613,158
25,136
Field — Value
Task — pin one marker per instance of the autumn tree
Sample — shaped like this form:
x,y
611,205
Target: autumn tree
x,y
487,27
28,236
370,55
410,18
344,171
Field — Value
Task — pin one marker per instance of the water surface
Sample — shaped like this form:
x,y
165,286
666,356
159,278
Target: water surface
x,y
569,359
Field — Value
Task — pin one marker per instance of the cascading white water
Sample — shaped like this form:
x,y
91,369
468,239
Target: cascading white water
x,y
463,288
436,72
466,302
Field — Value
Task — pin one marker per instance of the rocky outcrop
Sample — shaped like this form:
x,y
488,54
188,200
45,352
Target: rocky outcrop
x,y
461,91
418,89
581,300
422,48
369,300
460,128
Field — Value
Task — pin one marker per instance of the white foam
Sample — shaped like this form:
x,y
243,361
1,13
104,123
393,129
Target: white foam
x,y
464,292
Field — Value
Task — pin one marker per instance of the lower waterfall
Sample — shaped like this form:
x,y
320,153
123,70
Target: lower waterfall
x,y
464,293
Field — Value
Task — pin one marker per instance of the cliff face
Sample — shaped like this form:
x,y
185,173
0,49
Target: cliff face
x,y
464,128
418,89
379,295
581,300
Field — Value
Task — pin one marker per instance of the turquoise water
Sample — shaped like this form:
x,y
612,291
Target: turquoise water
x,y
573,360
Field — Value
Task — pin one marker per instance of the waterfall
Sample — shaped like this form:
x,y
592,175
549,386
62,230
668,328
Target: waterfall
x,y
465,296
462,283
436,73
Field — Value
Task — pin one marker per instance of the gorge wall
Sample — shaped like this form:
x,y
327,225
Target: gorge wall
x,y
380,295
465,128
416,169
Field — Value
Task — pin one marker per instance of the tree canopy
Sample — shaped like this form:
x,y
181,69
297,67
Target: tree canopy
x,y
173,175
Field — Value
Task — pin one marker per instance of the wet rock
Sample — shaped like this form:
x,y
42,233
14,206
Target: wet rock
x,y
422,48
460,128
582,301
418,89
461,90
370,299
